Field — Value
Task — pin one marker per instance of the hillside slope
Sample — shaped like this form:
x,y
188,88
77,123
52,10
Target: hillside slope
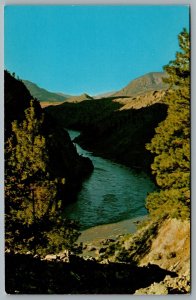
x,y
110,131
164,243
42,94
146,83
80,98
64,160
155,260
118,127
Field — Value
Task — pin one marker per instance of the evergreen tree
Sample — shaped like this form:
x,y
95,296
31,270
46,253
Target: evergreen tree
x,y
171,143
31,207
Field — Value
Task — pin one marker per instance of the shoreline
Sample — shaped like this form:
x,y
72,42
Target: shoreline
x,y
110,231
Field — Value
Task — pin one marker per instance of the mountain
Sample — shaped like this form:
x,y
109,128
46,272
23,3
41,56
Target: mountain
x,y
80,98
103,95
63,95
42,94
141,85
49,98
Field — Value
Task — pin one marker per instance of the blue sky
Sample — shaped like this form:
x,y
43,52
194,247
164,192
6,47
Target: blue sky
x,y
92,49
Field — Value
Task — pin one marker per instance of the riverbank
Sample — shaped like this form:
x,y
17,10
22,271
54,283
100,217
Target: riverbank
x,y
93,238
110,231
154,260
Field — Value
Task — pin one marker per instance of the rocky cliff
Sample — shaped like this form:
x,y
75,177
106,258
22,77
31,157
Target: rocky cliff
x,y
164,243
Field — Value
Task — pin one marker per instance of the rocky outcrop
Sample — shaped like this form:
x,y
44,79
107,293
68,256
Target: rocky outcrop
x,y
64,160
26,274
164,243
170,285
137,102
171,248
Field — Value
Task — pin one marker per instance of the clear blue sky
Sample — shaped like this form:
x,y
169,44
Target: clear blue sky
x,y
92,49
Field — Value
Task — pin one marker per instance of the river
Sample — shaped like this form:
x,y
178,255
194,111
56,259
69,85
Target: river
x,y
111,194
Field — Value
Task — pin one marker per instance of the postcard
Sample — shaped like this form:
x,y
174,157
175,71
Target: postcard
x,y
97,149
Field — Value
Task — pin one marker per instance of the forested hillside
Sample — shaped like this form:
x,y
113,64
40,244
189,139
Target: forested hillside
x,y
107,130
42,173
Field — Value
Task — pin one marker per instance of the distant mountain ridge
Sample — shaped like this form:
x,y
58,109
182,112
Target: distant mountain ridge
x,y
42,94
49,98
146,83
104,95
150,82
80,98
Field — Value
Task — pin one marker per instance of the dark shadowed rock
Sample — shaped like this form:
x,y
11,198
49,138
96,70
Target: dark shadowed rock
x,y
78,277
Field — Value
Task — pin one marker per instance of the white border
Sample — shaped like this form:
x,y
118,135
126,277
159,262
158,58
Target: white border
x,y
192,3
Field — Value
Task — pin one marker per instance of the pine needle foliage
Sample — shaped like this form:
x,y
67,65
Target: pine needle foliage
x,y
171,143
32,209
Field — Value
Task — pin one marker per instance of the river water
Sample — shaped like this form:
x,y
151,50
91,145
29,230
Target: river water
x,y
111,194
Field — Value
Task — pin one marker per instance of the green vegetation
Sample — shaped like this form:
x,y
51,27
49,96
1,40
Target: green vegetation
x,y
111,133
38,153
32,209
83,115
171,143
63,159
32,183
42,94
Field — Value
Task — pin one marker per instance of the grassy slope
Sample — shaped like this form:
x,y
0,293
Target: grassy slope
x,y
42,94
148,82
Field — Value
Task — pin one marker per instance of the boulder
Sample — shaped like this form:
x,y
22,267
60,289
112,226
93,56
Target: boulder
x,y
50,257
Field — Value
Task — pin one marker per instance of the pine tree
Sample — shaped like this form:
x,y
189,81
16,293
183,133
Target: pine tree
x,y
32,210
171,143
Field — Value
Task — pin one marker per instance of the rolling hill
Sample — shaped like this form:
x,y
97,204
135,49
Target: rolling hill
x,y
80,98
141,85
43,95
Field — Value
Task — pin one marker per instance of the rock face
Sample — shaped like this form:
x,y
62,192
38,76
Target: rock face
x,y
164,243
64,160
137,102
79,276
177,285
171,248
